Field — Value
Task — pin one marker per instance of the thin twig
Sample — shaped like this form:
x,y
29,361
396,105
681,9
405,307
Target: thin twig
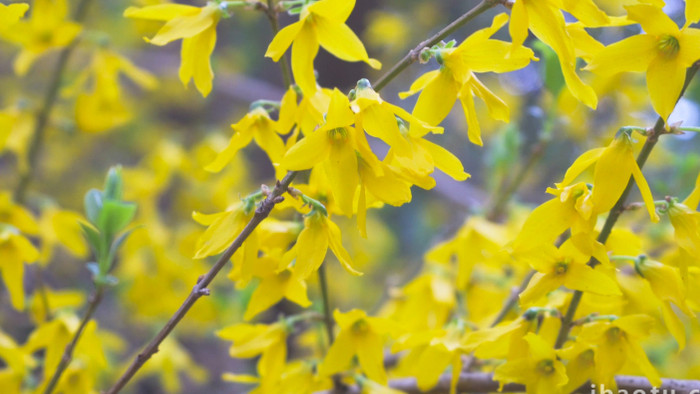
x,y
273,16
42,117
200,289
68,352
414,53
504,194
616,211
513,298
327,317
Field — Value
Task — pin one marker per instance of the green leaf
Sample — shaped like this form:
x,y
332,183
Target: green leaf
x,y
114,184
552,75
115,215
92,235
93,205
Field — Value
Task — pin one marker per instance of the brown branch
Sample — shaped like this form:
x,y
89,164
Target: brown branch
x,y
480,382
616,211
68,352
200,289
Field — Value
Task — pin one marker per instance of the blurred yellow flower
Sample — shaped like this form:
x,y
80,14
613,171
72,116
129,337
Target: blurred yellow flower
x,y
46,29
196,27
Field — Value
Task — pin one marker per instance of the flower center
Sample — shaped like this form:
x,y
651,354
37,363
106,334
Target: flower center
x,y
668,45
338,134
545,367
561,267
360,326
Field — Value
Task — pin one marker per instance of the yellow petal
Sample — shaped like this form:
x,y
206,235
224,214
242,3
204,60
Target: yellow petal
x,y
519,24
304,51
267,294
185,26
665,78
267,138
370,353
341,41
161,12
238,141
549,26
539,286
692,12
674,324
445,161
497,108
612,173
645,191
587,12
308,152
339,251
336,11
311,246
653,19
195,63
378,121
614,58
339,355
473,128
437,98
693,199
341,169
689,42
584,278
580,165
283,39
420,83
544,225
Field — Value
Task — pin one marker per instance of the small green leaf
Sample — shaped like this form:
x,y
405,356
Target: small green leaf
x,y
92,235
115,215
113,184
93,205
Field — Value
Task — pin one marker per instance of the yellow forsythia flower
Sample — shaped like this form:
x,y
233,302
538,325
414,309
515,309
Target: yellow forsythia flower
x,y
430,353
540,371
196,27
257,125
267,340
320,24
18,362
102,106
546,21
567,267
318,235
476,54
666,284
664,53
615,165
359,335
277,281
15,251
46,29
617,344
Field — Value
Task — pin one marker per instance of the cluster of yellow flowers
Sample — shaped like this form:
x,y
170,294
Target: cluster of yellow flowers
x,y
589,292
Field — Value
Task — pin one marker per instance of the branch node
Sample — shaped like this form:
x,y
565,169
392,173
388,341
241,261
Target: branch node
x,y
203,291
